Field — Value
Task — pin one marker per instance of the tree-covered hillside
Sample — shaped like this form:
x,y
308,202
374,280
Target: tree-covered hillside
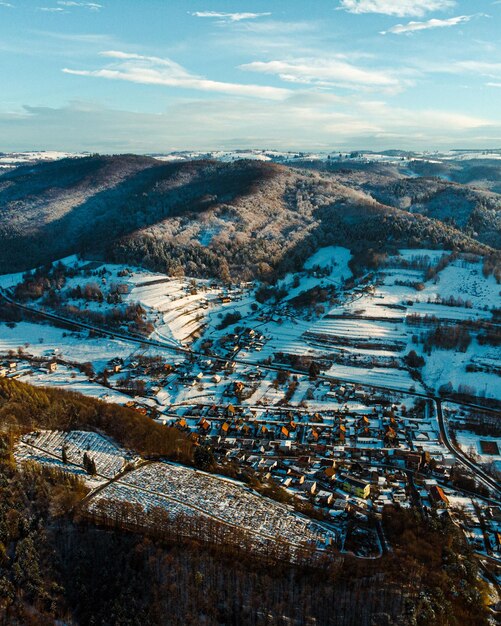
x,y
238,220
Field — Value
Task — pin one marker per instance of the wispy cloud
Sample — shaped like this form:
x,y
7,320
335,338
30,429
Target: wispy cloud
x,y
6,4
150,70
483,68
411,27
229,17
324,72
399,8
97,39
92,6
275,38
493,84
64,5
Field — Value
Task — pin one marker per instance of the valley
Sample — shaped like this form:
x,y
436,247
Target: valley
x,y
304,351
328,386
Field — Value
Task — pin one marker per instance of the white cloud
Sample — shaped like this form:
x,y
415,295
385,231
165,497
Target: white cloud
x,y
230,17
6,4
485,68
411,27
150,70
51,9
323,72
399,8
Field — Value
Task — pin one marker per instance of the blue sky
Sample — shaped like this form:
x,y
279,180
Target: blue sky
x,y
162,75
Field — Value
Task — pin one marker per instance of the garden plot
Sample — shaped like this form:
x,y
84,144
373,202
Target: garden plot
x,y
46,447
382,301
430,256
205,390
180,488
286,338
390,378
357,332
393,275
443,312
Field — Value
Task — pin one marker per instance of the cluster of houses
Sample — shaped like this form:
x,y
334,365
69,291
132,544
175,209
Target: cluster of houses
x,y
248,340
332,473
12,369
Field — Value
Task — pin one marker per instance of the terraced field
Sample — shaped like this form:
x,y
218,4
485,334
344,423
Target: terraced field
x,y
46,447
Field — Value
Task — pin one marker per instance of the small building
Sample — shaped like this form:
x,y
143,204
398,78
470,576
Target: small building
x,y
324,498
310,486
356,486
52,366
438,496
339,504
330,472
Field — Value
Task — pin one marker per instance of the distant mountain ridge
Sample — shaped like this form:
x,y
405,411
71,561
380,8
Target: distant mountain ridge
x,y
241,219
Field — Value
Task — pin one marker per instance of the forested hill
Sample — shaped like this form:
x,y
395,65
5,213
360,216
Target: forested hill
x,y
243,219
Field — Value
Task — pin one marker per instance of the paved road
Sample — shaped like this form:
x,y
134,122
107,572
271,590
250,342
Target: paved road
x,y
482,476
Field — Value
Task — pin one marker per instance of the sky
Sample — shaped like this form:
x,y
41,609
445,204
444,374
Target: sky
x,y
162,75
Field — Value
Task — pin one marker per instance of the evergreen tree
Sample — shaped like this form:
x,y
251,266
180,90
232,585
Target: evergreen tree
x,y
89,464
203,457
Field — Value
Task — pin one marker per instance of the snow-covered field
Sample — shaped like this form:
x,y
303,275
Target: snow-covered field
x,y
71,380
180,309
43,339
366,332
378,376
333,260
470,444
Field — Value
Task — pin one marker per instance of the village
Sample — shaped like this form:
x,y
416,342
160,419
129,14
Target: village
x,y
321,401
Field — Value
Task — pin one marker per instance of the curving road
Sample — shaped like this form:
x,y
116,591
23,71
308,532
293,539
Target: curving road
x,y
482,476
